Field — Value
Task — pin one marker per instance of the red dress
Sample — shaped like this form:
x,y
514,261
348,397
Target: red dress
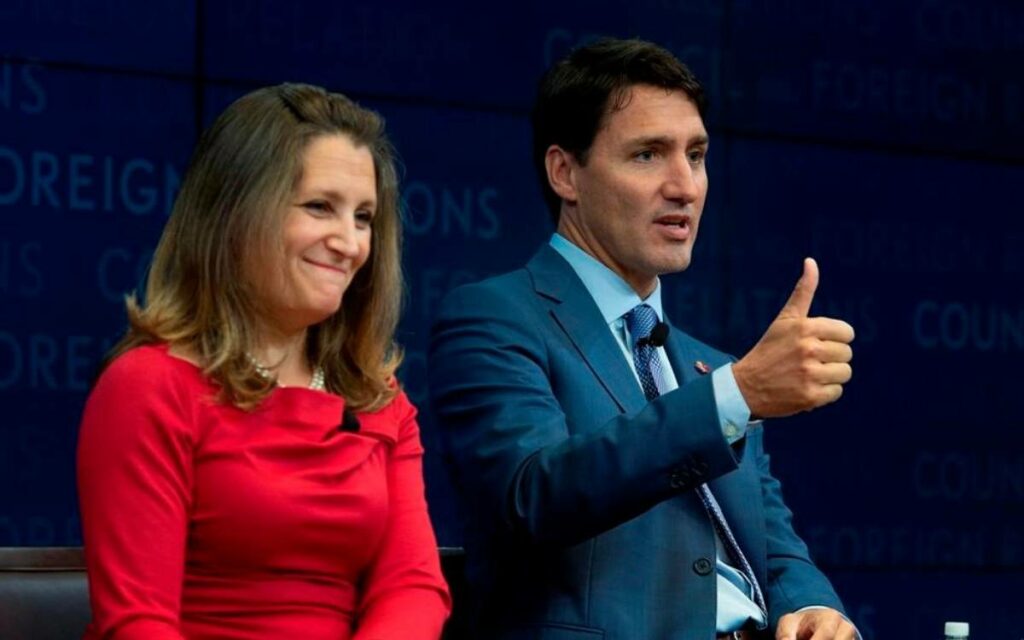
x,y
204,521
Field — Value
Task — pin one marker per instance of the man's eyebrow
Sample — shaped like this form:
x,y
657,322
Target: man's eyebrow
x,y
668,141
652,141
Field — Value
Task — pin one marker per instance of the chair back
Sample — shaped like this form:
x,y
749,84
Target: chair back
x,y
453,564
44,594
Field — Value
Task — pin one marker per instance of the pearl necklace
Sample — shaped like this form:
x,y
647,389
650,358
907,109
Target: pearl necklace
x,y
316,383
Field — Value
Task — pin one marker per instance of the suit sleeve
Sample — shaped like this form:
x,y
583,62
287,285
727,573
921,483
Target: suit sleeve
x,y
134,483
794,581
404,593
517,461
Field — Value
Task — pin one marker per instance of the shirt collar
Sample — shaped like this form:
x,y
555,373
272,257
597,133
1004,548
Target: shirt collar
x,y
613,295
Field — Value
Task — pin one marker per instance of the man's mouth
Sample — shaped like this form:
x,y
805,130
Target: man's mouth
x,y
676,226
674,221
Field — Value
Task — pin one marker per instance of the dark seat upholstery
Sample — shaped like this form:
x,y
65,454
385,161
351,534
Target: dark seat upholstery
x,y
453,564
43,593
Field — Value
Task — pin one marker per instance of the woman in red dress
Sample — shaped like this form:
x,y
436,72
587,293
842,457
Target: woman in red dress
x,y
248,467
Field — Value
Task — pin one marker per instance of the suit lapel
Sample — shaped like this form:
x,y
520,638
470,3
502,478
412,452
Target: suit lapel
x,y
575,311
681,356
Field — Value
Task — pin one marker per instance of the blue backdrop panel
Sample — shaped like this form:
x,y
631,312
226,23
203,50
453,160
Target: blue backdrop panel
x,y
915,604
932,295
83,196
123,34
924,73
452,52
448,52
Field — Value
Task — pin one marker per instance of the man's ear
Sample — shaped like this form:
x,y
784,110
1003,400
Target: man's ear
x,y
561,167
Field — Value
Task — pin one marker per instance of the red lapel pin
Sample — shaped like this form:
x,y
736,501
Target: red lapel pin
x,y
701,367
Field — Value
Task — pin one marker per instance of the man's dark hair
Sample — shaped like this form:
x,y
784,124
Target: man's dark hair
x,y
578,91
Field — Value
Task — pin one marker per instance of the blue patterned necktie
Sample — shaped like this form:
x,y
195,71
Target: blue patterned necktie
x,y
640,321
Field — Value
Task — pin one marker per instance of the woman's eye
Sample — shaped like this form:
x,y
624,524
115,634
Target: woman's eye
x,y
364,217
317,206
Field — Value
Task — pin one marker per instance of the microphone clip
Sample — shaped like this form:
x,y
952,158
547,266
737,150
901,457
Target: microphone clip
x,y
657,338
349,421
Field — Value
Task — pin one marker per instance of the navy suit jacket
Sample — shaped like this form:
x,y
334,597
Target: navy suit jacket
x,y
581,518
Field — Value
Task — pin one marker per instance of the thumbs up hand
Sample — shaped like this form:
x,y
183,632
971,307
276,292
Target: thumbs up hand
x,y
800,363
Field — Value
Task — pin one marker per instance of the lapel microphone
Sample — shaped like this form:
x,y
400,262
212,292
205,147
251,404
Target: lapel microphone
x,y
658,337
349,421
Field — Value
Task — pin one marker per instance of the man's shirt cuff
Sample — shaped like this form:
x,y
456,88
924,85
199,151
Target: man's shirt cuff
x,y
733,412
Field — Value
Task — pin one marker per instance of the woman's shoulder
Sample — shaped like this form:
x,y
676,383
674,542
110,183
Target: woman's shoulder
x,y
144,392
147,368
399,406
141,359
145,399
395,421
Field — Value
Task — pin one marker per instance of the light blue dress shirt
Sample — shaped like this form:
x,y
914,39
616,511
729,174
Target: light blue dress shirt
x,y
615,298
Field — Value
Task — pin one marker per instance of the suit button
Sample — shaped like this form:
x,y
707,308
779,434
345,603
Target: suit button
x,y
702,566
678,478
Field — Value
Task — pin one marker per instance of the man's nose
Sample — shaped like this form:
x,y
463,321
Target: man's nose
x,y
681,184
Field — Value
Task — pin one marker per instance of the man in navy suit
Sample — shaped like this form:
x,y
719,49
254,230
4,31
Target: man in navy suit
x,y
612,467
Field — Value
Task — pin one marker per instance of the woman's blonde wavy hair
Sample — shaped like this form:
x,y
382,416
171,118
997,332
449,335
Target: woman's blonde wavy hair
x,y
232,203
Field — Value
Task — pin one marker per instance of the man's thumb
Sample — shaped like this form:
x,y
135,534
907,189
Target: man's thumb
x,y
799,303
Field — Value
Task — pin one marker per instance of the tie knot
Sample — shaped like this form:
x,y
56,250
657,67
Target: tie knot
x,y
640,321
